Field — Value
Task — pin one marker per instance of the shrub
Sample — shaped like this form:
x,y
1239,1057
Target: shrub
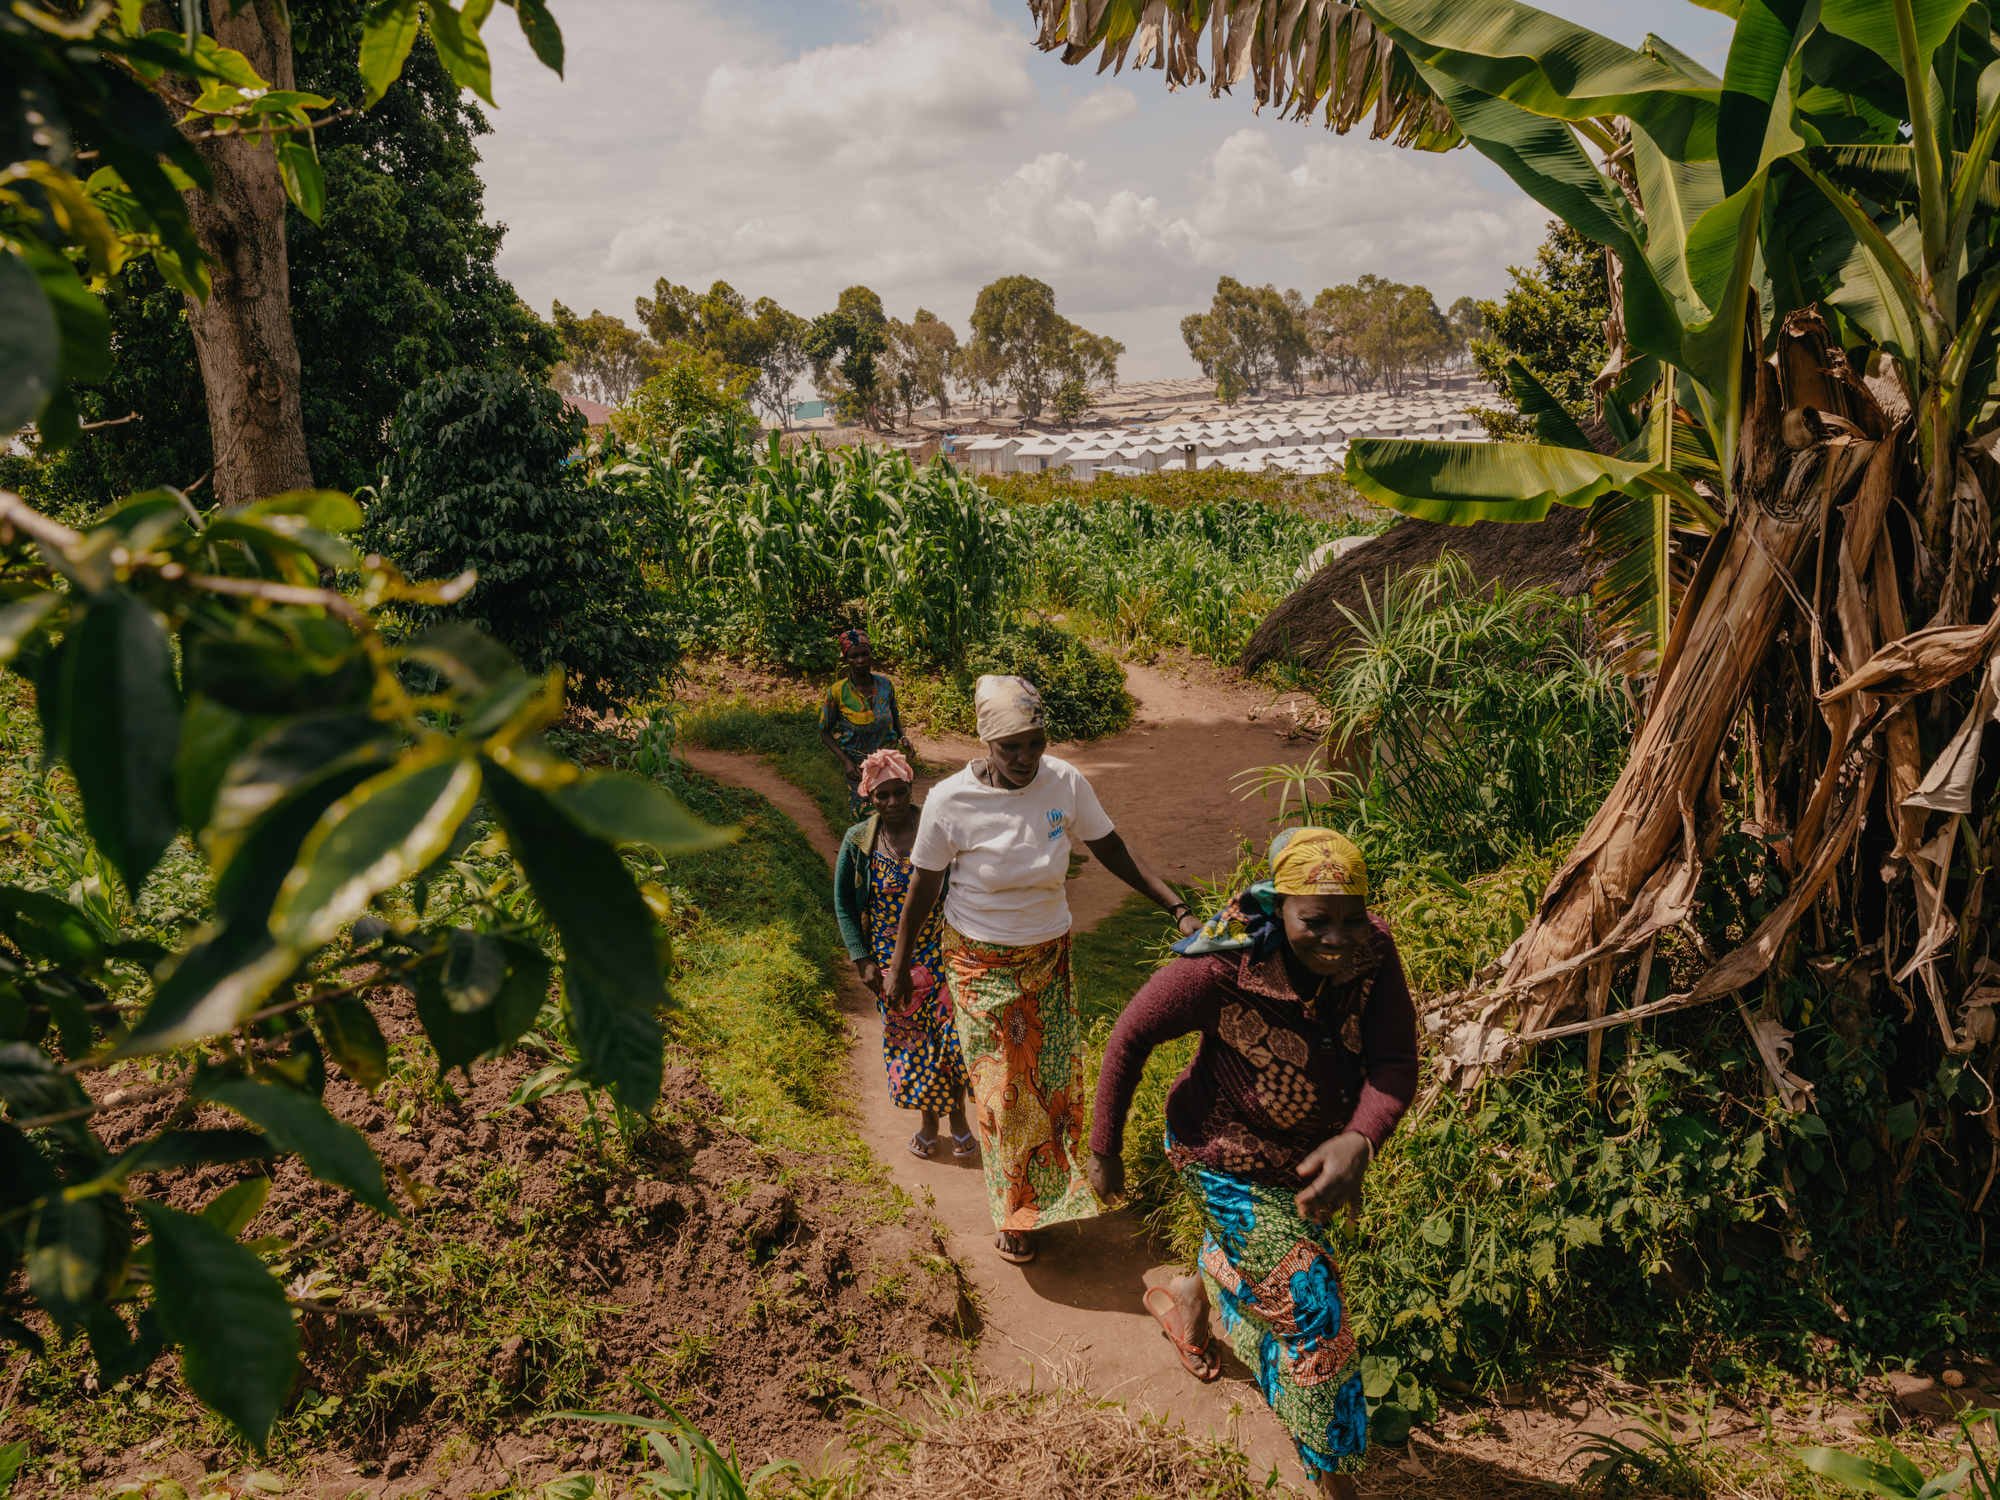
x,y
480,477
688,394
1474,722
1083,691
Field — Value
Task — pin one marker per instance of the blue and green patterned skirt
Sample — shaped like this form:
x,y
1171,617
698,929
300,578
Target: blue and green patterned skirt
x,y
1276,1293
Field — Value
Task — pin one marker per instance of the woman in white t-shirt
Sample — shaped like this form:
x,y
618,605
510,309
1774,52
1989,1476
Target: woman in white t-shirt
x,y
1004,828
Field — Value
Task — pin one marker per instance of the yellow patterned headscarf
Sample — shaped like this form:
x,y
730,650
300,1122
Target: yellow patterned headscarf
x,y
1317,862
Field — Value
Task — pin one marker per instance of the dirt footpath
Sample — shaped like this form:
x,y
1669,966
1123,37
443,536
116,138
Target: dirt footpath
x,y
1167,784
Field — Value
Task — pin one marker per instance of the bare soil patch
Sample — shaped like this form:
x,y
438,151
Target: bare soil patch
x,y
755,1289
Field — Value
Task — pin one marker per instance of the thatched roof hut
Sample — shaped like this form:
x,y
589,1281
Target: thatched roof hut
x,y
1308,627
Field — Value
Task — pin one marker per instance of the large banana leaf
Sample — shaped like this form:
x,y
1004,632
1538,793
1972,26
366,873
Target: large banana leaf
x,y
1297,56
1549,418
1461,483
1553,67
1872,23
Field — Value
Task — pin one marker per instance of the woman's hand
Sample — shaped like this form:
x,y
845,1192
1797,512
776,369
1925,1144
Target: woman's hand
x,y
897,993
871,975
1107,1176
1334,1173
1189,924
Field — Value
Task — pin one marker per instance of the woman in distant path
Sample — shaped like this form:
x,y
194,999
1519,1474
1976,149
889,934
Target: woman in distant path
x,y
1308,1058
1003,829
871,881
860,715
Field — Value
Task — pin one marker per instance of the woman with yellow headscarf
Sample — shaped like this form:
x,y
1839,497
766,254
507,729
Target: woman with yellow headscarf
x,y
1308,1058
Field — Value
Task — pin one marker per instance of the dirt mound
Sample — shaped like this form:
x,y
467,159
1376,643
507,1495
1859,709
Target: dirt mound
x,y
546,1263
1307,628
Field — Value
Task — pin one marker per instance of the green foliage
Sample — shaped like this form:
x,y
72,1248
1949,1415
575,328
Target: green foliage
x,y
208,690
1249,338
1020,343
1322,497
104,83
1377,332
1448,929
1083,691
759,349
766,547
604,359
688,393
1468,723
1900,1479
1552,319
1071,400
689,1464
1201,577
846,347
481,479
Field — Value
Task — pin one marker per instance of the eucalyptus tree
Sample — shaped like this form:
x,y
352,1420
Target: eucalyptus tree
x,y
1802,387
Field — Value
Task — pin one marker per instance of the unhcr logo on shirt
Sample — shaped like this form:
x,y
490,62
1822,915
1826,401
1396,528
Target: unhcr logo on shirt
x,y
1057,822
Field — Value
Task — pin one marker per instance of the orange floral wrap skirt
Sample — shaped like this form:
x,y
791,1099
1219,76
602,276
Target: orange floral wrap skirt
x,y
1015,1012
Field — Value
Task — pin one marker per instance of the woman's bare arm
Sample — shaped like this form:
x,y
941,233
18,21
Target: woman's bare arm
x,y
1113,854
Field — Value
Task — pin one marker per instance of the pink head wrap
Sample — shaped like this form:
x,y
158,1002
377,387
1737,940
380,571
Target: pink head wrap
x,y
885,765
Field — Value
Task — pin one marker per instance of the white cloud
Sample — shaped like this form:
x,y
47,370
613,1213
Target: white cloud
x,y
1105,107
1348,206
932,78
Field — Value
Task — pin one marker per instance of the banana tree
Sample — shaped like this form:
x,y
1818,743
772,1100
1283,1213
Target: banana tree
x,y
1806,276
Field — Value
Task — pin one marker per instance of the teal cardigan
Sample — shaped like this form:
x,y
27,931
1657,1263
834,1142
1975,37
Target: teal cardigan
x,y
850,884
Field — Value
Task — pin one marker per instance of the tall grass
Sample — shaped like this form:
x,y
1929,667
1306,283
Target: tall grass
x,y
1470,723
1323,497
763,548
1201,576
773,544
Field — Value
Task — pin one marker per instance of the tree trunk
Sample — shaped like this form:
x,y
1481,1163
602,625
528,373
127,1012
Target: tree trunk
x,y
1812,439
243,332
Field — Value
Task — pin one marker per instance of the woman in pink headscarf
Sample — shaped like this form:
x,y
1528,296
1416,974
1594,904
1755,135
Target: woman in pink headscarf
x,y
870,883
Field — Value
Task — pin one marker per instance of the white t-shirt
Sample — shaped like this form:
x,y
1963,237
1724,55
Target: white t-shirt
x,y
1008,850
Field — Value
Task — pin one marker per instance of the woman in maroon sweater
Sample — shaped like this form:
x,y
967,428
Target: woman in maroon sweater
x,y
1308,1058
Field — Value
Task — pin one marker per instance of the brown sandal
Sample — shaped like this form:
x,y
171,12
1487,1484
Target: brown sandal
x,y
1005,1241
1191,1357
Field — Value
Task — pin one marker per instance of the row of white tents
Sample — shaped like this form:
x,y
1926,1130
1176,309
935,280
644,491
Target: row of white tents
x,y
1306,436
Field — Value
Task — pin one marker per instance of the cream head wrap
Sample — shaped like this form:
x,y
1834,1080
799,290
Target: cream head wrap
x,y
1317,862
1007,706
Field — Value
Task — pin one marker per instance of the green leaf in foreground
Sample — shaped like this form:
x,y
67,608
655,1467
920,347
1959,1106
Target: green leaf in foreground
x,y
71,1245
611,969
632,810
388,32
239,1345
20,618
376,837
1459,483
543,35
232,1209
479,1000
123,729
349,1032
295,1121
30,350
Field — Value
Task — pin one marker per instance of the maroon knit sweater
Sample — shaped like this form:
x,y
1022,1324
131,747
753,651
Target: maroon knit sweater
x,y
1276,1074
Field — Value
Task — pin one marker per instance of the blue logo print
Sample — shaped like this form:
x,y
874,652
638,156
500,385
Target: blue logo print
x,y
1056,822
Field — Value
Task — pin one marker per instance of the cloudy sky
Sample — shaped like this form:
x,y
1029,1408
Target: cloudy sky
x,y
923,147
